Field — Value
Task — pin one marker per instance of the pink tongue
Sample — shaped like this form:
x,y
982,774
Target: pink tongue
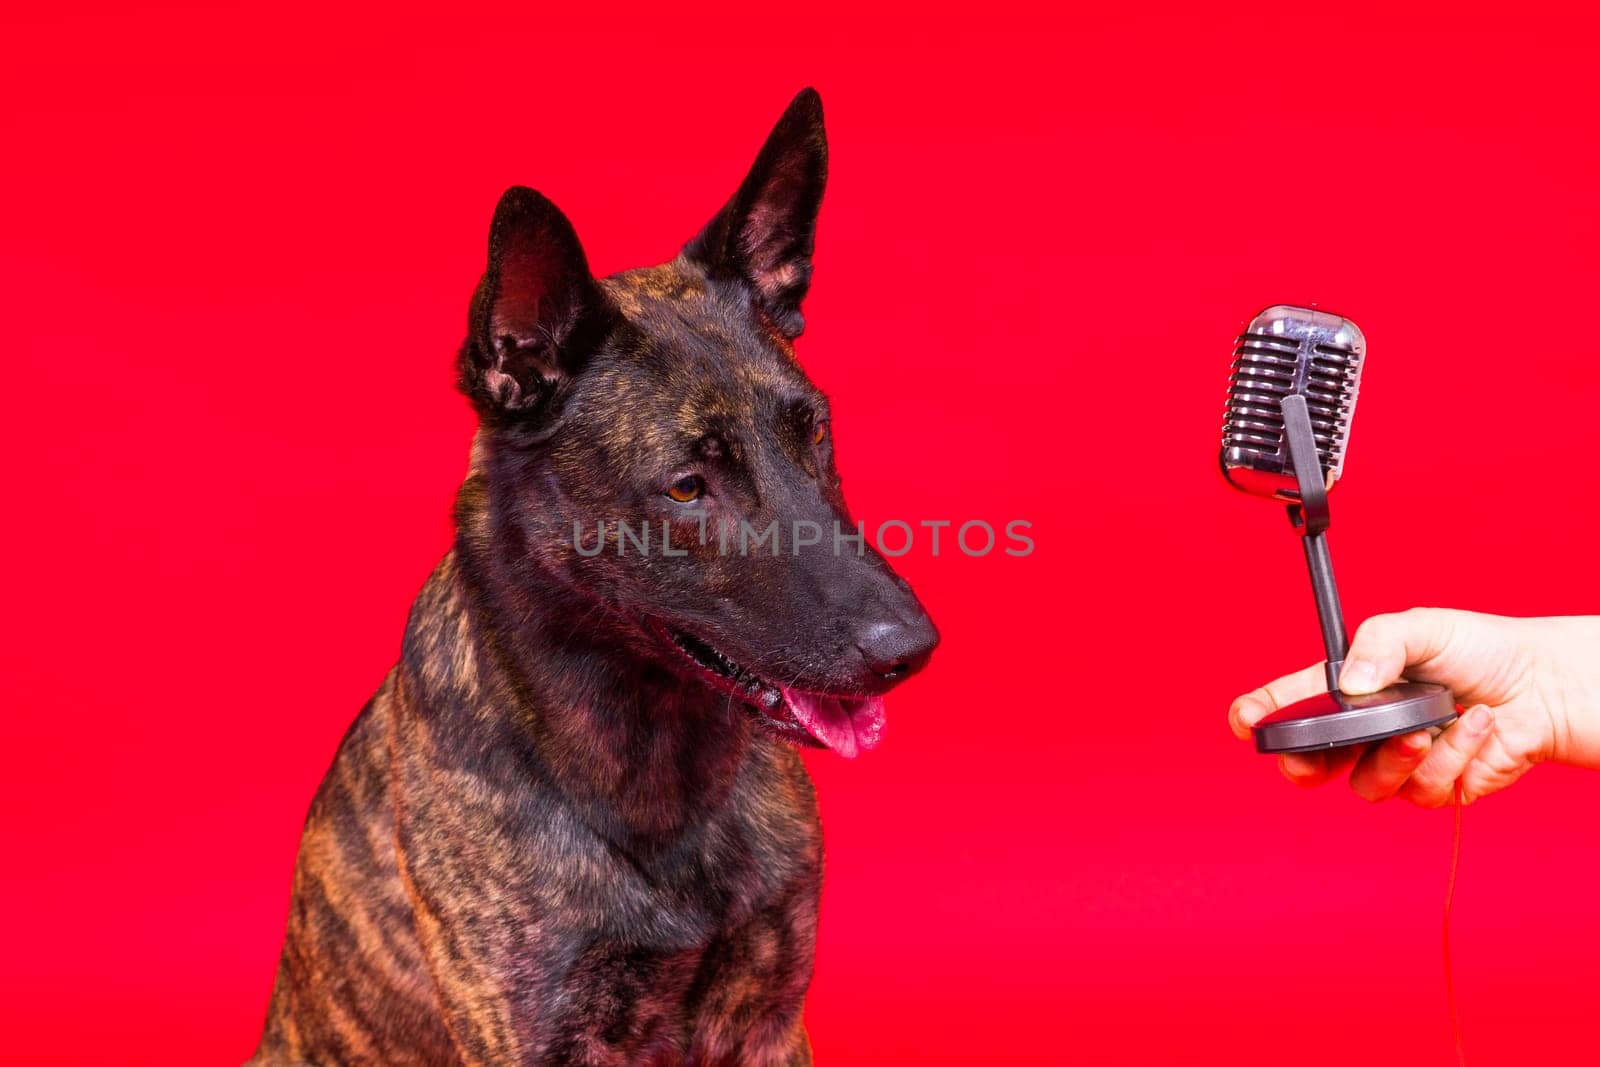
x,y
847,726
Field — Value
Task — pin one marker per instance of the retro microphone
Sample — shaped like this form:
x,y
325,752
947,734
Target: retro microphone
x,y
1291,397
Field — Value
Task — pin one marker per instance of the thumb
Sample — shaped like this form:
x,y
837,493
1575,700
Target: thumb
x,y
1386,645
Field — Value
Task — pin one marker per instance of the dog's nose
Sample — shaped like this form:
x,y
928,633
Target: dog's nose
x,y
897,649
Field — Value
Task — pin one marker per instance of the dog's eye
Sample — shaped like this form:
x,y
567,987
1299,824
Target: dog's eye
x,y
687,488
819,433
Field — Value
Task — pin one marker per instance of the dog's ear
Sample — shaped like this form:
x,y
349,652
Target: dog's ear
x,y
537,313
766,233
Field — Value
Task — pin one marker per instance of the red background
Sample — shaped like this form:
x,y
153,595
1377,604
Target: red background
x,y
238,248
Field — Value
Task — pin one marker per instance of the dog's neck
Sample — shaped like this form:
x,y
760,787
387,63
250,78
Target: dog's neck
x,y
514,660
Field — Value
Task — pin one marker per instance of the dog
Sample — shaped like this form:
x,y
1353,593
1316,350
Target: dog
x,y
573,825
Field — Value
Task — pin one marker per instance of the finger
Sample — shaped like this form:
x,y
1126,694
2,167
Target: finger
x,y
1258,704
1380,773
1304,768
1315,768
1385,645
1432,784
1340,760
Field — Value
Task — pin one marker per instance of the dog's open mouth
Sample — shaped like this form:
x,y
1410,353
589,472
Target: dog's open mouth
x,y
846,724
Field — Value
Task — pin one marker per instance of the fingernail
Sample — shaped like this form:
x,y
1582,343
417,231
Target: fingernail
x,y
1478,719
1414,744
1358,676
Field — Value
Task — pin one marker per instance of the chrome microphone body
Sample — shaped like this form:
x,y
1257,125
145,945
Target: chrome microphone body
x,y
1290,351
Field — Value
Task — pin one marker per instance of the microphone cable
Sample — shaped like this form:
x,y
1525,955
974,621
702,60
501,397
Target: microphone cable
x,y
1449,901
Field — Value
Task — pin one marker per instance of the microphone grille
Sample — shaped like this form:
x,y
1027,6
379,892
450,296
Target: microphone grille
x,y
1287,350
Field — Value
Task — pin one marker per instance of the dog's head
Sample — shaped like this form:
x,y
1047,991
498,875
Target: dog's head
x,y
650,440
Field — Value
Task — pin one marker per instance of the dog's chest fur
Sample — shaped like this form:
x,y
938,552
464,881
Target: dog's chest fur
x,y
486,878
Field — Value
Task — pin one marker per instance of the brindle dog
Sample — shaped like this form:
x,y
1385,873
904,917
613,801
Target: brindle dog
x,y
572,825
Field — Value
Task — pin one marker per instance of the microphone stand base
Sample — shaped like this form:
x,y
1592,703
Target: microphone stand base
x,y
1334,720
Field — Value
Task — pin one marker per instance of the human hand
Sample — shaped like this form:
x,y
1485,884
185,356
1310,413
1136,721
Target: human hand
x,y
1531,688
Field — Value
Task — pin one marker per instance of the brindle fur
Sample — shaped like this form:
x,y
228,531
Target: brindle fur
x,y
541,841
